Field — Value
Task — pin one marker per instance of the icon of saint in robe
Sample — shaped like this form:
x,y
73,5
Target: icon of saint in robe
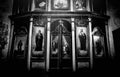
x,y
82,38
39,41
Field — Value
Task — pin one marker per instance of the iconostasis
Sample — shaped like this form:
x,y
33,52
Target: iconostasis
x,y
58,34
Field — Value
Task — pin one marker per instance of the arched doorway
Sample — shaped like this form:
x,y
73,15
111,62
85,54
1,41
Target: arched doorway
x,y
61,45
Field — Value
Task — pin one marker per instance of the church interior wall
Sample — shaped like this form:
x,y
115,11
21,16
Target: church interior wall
x,y
113,23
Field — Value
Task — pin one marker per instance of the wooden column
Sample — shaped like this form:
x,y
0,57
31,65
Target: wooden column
x,y
29,43
10,38
73,45
90,43
48,46
107,37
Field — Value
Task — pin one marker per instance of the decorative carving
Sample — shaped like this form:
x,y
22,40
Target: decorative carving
x,y
21,31
39,21
81,22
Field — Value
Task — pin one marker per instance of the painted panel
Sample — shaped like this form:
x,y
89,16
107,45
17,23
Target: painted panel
x,y
60,4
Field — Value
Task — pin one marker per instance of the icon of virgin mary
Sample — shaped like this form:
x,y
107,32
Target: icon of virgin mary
x,y
39,41
82,38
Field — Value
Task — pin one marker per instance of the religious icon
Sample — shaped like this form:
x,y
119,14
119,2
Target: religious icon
x,y
82,41
20,39
19,45
98,47
98,40
79,4
61,39
60,4
66,49
39,41
40,4
54,48
82,38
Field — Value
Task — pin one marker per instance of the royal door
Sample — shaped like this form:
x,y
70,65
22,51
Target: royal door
x,y
61,46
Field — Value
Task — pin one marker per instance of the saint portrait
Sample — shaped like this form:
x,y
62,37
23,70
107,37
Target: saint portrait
x,y
19,45
81,41
38,39
98,39
82,38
